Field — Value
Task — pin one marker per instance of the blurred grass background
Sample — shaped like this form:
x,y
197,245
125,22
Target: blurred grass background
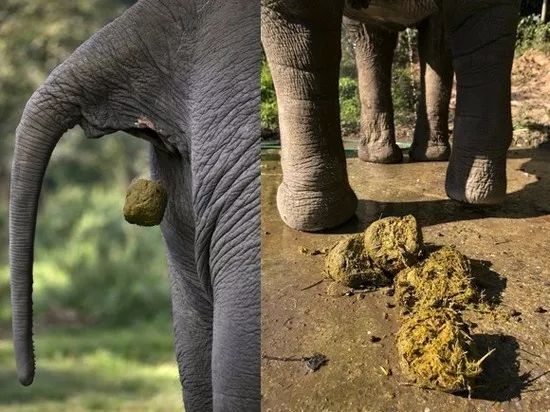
x,y
101,296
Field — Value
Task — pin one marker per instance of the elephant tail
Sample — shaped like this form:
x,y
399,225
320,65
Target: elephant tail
x,y
45,119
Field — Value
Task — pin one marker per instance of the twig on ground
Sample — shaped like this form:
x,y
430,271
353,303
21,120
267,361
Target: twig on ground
x,y
313,285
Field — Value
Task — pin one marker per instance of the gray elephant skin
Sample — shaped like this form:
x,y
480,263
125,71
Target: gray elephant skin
x,y
183,75
374,37
301,40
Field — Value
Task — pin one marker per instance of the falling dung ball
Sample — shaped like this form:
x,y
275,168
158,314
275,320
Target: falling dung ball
x,y
146,202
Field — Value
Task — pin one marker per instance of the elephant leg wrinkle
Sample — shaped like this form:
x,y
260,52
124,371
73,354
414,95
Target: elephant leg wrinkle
x,y
431,134
482,59
374,48
476,181
304,62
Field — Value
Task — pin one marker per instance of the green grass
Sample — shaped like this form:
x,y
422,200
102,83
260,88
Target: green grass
x,y
532,34
96,369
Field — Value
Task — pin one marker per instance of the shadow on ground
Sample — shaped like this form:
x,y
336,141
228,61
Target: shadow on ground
x,y
501,380
490,282
532,200
300,315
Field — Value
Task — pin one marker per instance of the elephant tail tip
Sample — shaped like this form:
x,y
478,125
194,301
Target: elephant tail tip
x,y
26,375
25,365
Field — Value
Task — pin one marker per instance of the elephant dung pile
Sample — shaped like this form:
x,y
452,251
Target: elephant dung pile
x,y
442,280
435,350
146,202
433,343
394,243
372,258
347,263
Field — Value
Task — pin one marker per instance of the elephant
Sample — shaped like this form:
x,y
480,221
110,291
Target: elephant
x,y
182,75
301,40
374,44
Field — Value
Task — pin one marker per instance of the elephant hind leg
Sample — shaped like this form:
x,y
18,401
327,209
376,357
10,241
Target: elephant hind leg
x,y
236,340
483,49
374,48
431,134
192,322
192,307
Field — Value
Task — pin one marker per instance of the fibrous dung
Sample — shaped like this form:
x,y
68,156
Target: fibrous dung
x,y
393,243
146,202
347,263
436,351
433,343
442,280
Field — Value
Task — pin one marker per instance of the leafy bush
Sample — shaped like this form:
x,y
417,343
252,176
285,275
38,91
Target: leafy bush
x,y
89,260
406,50
350,108
349,103
532,33
269,115
404,94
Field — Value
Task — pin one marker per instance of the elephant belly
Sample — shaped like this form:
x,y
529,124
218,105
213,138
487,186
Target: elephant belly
x,y
395,14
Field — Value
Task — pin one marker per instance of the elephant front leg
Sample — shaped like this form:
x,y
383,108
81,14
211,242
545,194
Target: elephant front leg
x,y
431,134
483,37
304,56
374,48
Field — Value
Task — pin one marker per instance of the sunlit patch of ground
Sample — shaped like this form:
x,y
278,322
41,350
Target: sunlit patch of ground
x,y
356,332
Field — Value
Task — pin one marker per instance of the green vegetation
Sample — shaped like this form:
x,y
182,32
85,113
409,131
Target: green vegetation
x,y
350,109
533,34
100,369
404,90
90,263
101,292
269,116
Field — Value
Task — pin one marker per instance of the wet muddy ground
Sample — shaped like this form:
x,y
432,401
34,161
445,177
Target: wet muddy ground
x,y
356,332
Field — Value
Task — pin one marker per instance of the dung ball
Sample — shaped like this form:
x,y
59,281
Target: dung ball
x,y
393,243
436,350
146,202
347,263
443,279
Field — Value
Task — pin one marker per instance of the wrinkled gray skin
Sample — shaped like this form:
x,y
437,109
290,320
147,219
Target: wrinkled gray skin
x,y
375,43
302,43
183,75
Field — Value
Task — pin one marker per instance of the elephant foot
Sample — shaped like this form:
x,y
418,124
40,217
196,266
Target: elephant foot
x,y
476,181
434,152
380,153
311,211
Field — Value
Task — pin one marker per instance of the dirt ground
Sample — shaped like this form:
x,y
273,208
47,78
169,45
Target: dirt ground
x,y
531,98
510,245
530,101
